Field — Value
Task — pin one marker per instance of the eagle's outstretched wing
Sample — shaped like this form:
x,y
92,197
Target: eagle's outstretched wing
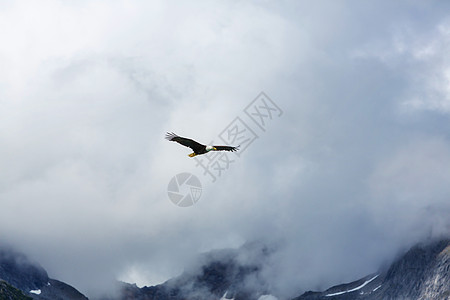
x,y
184,141
226,148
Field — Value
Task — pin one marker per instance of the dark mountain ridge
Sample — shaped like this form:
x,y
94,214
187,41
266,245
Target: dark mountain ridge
x,y
19,272
422,273
234,273
22,279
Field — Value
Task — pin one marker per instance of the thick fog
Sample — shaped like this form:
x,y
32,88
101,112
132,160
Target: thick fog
x,y
350,167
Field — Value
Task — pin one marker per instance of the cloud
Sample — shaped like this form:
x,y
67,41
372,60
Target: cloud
x,y
351,172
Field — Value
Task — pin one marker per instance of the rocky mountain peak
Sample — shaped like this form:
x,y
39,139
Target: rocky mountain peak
x,y
21,278
423,272
20,272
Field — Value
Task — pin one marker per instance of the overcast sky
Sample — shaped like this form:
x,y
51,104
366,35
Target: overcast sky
x,y
354,170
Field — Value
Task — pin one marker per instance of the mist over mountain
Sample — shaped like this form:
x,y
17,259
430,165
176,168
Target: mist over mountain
x,y
341,108
423,272
17,270
21,278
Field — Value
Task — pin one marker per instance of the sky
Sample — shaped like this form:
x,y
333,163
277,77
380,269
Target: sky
x,y
352,168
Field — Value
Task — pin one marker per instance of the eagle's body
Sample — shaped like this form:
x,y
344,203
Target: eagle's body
x,y
197,147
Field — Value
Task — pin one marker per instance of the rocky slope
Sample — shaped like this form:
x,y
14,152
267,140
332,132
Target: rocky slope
x,y
422,273
22,279
219,274
8,292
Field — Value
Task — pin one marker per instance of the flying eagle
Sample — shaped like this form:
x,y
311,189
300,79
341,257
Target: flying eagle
x,y
197,147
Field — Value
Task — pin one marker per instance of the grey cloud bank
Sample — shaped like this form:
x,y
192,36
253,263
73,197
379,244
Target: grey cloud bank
x,y
355,170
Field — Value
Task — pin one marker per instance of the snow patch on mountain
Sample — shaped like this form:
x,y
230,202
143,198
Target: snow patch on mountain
x,y
224,297
37,292
267,297
374,290
355,289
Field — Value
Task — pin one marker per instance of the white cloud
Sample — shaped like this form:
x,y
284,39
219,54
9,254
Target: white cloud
x,y
422,53
87,91
413,183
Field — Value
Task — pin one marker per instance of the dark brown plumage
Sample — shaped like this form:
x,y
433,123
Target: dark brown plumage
x,y
196,146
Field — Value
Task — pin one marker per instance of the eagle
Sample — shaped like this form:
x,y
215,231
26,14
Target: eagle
x,y
196,146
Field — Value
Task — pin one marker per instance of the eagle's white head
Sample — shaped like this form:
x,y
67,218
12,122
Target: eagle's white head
x,y
209,148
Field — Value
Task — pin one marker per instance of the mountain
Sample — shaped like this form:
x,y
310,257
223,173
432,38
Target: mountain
x,y
221,274
422,273
22,279
8,292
